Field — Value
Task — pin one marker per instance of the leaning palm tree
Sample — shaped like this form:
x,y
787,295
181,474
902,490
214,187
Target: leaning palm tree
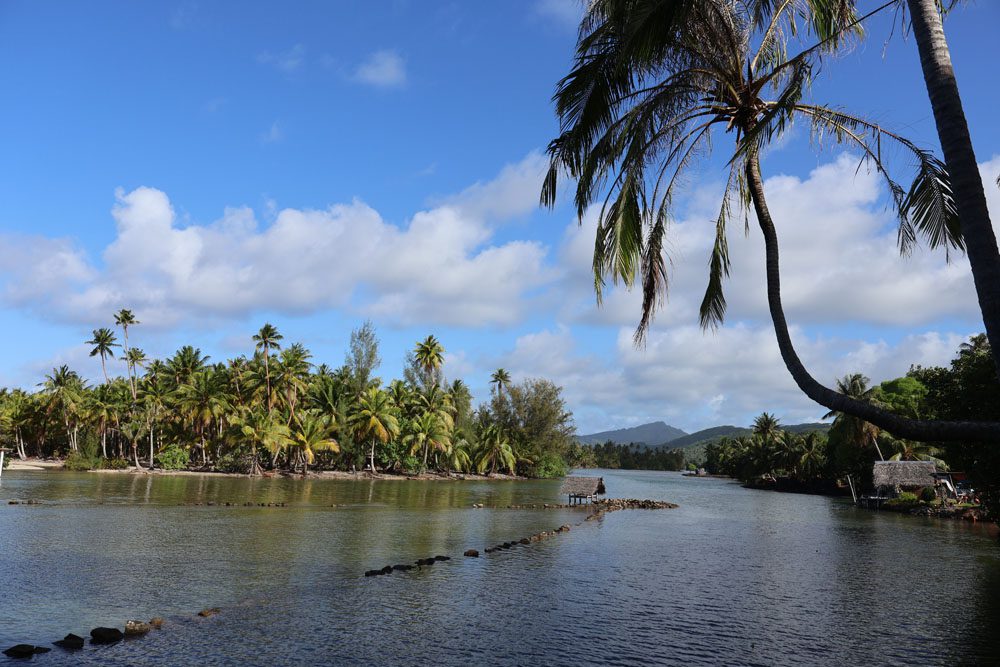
x,y
652,82
104,344
495,451
267,339
374,417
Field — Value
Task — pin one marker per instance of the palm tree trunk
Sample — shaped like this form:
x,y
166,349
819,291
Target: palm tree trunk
x,y
104,442
104,368
373,456
914,429
151,466
959,156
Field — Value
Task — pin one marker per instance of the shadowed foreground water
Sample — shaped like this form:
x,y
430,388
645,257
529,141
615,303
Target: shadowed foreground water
x,y
731,577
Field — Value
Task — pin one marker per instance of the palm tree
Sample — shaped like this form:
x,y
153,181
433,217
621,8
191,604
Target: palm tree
x,y
495,451
651,82
430,355
857,431
202,401
261,429
154,396
126,318
266,340
186,362
428,431
374,417
500,379
313,432
64,389
103,342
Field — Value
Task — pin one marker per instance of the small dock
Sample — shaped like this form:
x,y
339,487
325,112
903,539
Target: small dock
x,y
582,489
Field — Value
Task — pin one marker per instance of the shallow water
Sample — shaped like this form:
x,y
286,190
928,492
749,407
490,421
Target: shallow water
x,y
731,577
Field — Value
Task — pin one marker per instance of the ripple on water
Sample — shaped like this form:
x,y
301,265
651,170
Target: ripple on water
x,y
731,577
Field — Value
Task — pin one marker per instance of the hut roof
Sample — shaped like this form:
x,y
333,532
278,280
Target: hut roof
x,y
583,486
903,473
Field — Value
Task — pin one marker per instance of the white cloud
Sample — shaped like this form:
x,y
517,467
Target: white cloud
x,y
382,69
514,192
839,261
285,61
304,261
273,135
565,13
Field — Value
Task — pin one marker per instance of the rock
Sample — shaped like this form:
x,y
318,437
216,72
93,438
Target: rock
x,y
402,568
20,651
490,550
14,502
442,557
70,642
372,573
156,622
136,628
387,569
563,528
471,553
525,540
106,635
211,611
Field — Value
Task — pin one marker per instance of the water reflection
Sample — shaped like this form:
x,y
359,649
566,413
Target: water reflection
x,y
733,576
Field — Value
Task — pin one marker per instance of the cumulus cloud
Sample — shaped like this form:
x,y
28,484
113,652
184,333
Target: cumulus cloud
x,y
382,69
304,261
285,61
694,380
564,13
839,260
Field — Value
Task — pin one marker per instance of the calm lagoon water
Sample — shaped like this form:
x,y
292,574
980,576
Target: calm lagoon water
x,y
733,576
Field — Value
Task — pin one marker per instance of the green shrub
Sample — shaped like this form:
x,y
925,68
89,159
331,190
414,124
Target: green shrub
x,y
80,461
173,457
113,464
411,464
549,465
928,494
907,497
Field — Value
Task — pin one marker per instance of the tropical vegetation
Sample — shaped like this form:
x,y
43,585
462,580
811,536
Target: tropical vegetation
x,y
651,83
276,409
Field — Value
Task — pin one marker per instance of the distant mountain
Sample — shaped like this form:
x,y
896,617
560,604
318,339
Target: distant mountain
x,y
653,433
694,444
713,433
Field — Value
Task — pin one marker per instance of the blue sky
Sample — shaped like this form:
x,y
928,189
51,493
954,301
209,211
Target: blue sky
x,y
216,165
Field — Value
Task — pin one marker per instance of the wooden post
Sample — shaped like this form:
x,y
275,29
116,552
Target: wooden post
x,y
853,494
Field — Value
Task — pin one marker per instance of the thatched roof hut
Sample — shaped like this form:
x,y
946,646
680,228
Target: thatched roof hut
x,y
583,487
903,474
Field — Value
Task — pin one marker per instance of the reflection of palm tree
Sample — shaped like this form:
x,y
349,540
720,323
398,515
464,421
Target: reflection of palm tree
x,y
650,82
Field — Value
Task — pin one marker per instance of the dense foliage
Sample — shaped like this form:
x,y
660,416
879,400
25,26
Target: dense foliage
x,y
632,456
275,409
968,389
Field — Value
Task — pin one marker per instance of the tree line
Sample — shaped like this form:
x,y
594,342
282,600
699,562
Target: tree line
x,y
275,409
631,456
966,389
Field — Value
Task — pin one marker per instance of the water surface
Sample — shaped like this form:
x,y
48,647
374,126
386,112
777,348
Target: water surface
x,y
733,576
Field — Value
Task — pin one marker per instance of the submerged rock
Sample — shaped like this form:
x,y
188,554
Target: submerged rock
x,y
386,570
525,540
106,635
136,628
211,611
442,557
70,642
471,553
156,622
372,573
23,651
